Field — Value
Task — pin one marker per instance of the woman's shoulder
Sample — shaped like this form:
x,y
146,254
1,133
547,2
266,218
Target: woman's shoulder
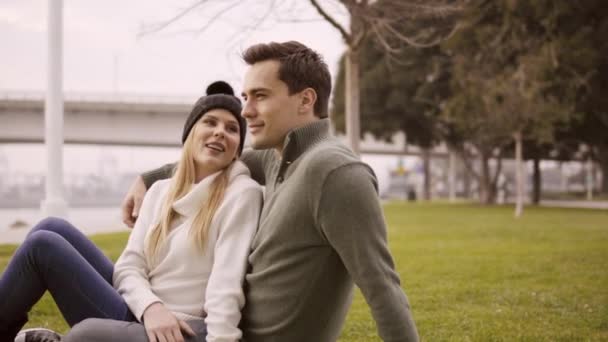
x,y
240,177
244,181
241,182
159,185
158,189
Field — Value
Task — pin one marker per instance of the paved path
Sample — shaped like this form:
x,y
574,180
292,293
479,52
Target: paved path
x,y
575,204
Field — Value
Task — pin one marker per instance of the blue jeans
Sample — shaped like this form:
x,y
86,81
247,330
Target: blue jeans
x,y
57,257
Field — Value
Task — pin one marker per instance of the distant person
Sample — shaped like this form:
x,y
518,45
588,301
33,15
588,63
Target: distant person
x,y
180,275
322,225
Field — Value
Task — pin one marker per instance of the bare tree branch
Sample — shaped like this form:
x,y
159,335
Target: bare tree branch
x,y
161,26
359,38
412,41
384,43
300,20
263,18
408,10
218,15
347,37
221,13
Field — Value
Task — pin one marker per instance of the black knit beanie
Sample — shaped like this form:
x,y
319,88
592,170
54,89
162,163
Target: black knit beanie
x,y
219,96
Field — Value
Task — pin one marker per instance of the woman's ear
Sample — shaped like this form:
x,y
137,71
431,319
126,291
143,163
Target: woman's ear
x,y
308,98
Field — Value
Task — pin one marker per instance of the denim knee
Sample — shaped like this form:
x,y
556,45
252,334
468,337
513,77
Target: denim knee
x,y
52,224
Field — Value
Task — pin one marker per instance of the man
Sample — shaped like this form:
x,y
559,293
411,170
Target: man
x,y
321,226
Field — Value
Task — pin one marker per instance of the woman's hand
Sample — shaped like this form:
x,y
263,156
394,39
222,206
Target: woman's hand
x,y
162,326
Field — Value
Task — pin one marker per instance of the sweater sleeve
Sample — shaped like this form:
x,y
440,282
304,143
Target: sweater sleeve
x,y
351,218
163,172
224,297
131,271
255,162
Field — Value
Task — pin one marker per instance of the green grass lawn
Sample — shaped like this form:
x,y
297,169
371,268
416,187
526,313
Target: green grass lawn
x,y
475,273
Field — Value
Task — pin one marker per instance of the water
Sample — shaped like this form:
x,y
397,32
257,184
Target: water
x,y
16,223
20,164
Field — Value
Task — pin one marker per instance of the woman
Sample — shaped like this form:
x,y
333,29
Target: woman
x,y
185,260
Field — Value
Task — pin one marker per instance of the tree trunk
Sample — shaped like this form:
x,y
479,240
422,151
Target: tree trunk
x,y
466,183
351,93
487,193
519,175
452,176
603,164
537,181
426,166
589,181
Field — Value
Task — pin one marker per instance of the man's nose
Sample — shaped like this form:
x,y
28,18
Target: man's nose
x,y
248,110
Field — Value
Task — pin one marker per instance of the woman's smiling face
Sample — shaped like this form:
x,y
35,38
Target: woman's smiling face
x,y
215,139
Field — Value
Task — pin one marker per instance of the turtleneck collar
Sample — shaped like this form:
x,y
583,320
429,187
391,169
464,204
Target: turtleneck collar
x,y
301,139
189,205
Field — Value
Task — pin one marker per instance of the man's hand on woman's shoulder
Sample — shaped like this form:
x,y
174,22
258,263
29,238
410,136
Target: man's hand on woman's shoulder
x,y
132,202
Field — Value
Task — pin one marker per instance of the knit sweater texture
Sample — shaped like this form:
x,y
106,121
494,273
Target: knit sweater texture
x,y
321,231
190,283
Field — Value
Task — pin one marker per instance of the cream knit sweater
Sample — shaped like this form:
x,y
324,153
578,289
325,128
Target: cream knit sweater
x,y
189,283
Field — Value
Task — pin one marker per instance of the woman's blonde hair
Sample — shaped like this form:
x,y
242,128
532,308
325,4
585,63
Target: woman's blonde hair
x,y
181,182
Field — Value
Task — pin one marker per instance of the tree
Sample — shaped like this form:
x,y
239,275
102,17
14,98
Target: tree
x,y
590,129
514,78
392,23
592,102
402,93
572,45
527,111
535,151
519,72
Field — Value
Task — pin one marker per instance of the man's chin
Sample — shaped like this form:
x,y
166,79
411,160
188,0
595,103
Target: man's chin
x,y
258,145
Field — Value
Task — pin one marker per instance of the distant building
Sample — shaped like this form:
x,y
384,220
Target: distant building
x,y
401,183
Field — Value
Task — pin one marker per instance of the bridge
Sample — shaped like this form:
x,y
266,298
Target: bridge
x,y
135,121
129,120
117,120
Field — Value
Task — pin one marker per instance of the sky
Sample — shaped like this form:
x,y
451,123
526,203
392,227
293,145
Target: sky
x,y
106,52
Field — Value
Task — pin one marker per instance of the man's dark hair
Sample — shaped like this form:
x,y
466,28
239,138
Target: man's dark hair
x,y
300,68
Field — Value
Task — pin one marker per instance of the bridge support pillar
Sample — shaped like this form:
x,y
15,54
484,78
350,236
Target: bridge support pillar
x,y
54,203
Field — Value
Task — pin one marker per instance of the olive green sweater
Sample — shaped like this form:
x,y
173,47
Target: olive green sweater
x,y
321,229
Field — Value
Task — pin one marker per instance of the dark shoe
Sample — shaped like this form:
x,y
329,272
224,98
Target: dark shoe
x,y
37,335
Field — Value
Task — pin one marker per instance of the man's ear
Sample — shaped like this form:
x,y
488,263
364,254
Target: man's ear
x,y
308,98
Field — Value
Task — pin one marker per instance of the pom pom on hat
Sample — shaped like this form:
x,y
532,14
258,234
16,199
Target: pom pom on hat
x,y
220,87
